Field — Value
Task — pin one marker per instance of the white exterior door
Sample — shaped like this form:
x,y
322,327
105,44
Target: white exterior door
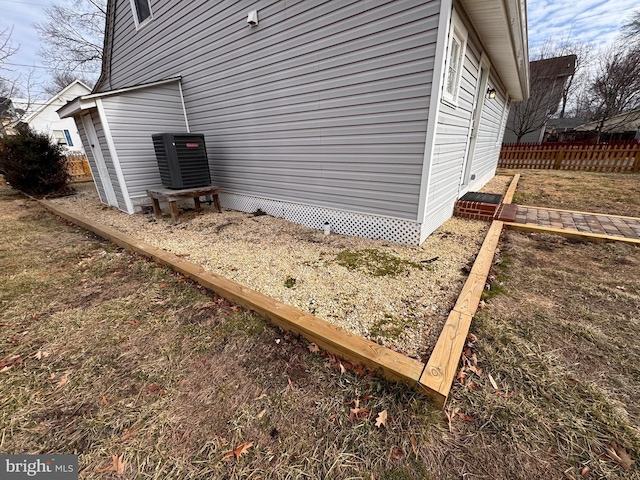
x,y
103,173
478,103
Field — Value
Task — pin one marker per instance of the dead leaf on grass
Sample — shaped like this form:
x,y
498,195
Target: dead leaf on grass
x,y
493,382
619,454
261,414
290,383
10,362
414,445
130,433
357,412
342,369
260,397
238,451
465,417
104,400
313,348
584,473
382,419
397,453
40,354
117,465
63,381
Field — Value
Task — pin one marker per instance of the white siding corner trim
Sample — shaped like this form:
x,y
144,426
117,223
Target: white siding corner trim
x,y
114,155
434,108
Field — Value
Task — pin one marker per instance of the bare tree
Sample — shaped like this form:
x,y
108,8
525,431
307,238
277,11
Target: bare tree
x,y
616,86
547,83
631,29
62,80
72,37
9,84
576,82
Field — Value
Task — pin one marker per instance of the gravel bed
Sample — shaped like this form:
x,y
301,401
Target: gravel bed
x,y
396,295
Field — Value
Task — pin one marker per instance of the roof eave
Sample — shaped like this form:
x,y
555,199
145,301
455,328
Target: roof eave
x,y
502,28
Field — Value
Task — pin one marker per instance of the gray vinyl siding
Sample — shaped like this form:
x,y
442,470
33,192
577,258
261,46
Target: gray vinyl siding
x,y
452,134
104,146
487,148
92,161
324,103
133,117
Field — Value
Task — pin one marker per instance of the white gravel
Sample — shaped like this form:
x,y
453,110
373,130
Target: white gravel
x,y
405,311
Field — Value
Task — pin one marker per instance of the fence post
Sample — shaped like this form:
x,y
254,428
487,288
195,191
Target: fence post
x,y
636,160
559,157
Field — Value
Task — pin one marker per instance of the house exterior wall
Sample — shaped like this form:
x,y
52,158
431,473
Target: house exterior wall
x,y
111,168
133,117
323,104
451,143
92,161
46,119
489,136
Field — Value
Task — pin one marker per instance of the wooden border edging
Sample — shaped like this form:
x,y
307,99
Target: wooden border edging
x,y
578,235
442,365
508,197
434,379
394,366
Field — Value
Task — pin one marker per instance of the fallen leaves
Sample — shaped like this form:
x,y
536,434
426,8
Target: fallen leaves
x,y
237,452
619,454
10,362
63,381
313,348
117,465
356,412
381,419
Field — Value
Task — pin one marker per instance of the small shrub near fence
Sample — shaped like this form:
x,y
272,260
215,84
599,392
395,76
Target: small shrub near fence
x,y
78,166
595,157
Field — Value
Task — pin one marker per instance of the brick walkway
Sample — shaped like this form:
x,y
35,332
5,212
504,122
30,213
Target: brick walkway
x,y
627,227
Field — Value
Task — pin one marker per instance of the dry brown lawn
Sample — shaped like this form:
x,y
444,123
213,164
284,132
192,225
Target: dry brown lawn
x,y
119,356
612,193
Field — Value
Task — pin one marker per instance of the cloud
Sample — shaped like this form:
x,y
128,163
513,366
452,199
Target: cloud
x,y
592,21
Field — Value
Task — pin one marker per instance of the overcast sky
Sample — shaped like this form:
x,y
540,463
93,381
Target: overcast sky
x,y
594,21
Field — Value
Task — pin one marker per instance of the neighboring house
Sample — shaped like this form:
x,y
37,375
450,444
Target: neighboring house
x,y
563,130
44,118
529,118
625,126
372,116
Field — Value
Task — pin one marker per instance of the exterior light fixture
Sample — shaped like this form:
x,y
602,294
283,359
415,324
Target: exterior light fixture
x,y
491,93
252,18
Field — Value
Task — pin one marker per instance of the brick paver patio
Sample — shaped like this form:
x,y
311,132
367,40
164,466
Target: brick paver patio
x,y
614,226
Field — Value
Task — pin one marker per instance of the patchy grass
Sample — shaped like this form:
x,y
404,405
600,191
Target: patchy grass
x,y
612,193
376,263
123,357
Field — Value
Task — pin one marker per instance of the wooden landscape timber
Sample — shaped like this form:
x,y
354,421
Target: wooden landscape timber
x,y
433,379
575,234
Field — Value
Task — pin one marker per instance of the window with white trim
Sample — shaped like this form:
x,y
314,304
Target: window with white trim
x,y
141,12
455,59
62,137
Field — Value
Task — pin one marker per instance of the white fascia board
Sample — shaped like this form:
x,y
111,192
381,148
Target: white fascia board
x,y
132,88
75,106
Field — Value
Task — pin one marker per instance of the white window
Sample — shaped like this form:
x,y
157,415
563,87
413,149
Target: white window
x,y
455,59
141,12
62,137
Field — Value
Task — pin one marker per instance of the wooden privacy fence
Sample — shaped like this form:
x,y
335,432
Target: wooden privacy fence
x,y
78,166
595,157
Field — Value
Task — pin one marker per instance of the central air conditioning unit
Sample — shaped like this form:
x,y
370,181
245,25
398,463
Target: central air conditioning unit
x,y
182,160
